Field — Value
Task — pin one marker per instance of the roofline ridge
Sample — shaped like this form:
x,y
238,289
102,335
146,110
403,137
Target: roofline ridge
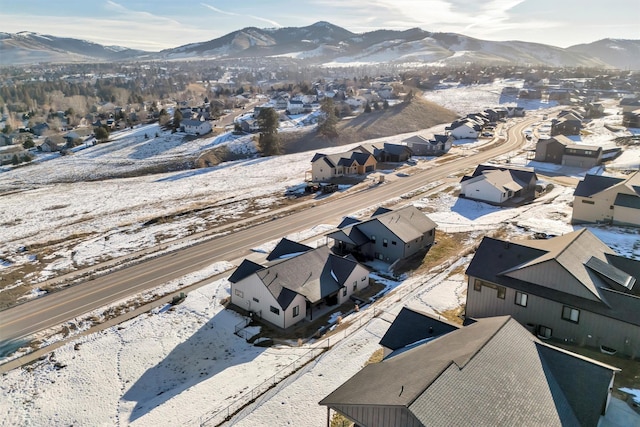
x,y
507,318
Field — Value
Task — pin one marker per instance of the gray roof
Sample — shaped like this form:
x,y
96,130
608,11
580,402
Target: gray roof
x,y
346,158
574,280
627,201
412,325
407,223
314,274
519,174
592,184
286,247
493,372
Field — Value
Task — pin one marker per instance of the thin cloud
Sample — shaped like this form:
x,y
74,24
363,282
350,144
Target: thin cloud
x,y
136,16
215,9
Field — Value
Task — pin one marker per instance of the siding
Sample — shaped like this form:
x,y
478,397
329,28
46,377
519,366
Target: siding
x,y
251,287
391,252
591,330
378,416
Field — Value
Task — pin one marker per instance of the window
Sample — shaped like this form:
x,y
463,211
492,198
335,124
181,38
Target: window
x,y
355,285
373,238
501,290
393,242
274,310
385,242
239,293
363,278
344,291
256,299
521,299
589,202
544,332
570,314
296,310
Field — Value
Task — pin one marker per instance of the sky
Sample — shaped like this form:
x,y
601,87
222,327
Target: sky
x,y
163,24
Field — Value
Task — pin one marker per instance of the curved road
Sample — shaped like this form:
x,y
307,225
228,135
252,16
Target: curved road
x,y
21,321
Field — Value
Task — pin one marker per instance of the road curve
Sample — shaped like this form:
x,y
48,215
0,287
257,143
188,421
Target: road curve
x,y
26,319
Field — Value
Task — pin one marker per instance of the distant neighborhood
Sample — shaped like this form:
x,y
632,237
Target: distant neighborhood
x,y
536,311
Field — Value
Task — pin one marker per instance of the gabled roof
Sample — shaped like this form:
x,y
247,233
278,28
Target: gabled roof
x,y
593,184
347,158
286,247
407,223
500,179
561,269
519,174
314,274
493,372
412,325
245,269
347,220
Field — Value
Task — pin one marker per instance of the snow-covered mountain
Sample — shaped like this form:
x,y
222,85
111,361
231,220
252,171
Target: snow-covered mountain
x,y
29,48
325,43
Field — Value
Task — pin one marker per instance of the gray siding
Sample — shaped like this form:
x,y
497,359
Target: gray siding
x,y
591,330
378,416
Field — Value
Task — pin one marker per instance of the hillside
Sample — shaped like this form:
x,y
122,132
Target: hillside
x,y
326,44
406,117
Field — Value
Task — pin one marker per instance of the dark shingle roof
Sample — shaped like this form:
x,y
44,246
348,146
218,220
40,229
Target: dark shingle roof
x,y
287,247
245,269
592,184
493,372
505,263
314,274
411,326
627,201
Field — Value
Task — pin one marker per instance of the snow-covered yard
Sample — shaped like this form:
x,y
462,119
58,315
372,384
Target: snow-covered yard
x,y
183,365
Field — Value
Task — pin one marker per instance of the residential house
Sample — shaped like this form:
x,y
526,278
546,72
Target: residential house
x,y
388,235
464,129
607,199
492,372
572,288
631,119
629,104
386,152
290,288
497,184
567,124
582,156
515,111
327,166
563,151
8,153
196,127
295,106
52,144
436,146
40,129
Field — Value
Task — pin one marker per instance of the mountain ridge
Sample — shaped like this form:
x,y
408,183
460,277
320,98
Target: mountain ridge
x,y
323,43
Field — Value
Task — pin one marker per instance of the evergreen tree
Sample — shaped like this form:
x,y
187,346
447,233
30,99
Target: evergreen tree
x,y
177,118
269,141
367,108
327,126
101,133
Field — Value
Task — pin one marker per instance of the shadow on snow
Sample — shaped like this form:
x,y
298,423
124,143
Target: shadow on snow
x,y
209,351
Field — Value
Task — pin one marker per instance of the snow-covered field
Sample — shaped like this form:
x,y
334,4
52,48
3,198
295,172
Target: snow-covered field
x,y
184,365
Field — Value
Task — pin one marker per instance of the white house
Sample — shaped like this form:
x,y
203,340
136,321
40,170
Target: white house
x,y
493,186
464,129
295,106
196,127
287,291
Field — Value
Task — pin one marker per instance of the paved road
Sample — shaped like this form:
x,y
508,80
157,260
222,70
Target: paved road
x,y
21,321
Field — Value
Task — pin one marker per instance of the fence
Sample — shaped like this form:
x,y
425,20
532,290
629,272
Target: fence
x,y
284,376
225,414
